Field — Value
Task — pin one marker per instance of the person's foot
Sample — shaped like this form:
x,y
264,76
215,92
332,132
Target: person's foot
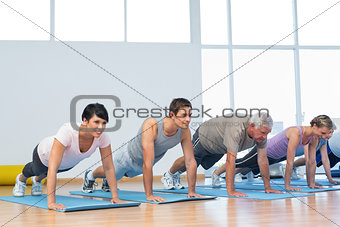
x,y
19,188
168,181
36,187
88,185
177,181
105,186
215,180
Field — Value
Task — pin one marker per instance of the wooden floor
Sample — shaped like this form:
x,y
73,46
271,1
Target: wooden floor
x,y
319,210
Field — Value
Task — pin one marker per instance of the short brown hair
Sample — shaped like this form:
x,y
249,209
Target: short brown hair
x,y
178,103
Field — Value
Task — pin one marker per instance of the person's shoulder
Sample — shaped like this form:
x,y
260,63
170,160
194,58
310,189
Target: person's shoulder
x,y
293,131
104,137
239,118
150,122
68,126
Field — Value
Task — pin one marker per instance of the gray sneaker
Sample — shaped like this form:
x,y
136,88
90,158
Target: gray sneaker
x,y
295,175
19,188
36,187
105,186
88,185
215,180
168,181
177,181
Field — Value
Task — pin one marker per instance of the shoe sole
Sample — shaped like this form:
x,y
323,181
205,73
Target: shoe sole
x,y
214,186
18,195
34,194
179,188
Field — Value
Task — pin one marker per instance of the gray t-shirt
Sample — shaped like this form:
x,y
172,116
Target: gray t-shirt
x,y
220,134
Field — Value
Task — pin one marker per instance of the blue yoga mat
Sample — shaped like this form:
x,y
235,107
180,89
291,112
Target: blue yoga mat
x,y
302,182
71,203
140,196
299,182
277,187
251,194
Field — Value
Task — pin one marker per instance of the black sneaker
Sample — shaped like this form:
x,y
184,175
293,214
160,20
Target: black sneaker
x,y
105,186
88,185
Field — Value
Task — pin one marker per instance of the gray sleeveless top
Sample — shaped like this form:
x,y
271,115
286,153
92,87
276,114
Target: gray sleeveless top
x,y
161,145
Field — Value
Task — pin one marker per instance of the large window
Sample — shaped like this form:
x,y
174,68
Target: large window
x,y
14,25
267,82
296,79
261,22
89,20
215,87
320,82
214,22
158,21
324,29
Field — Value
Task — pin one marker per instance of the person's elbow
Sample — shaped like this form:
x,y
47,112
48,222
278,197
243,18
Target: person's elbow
x,y
107,168
147,165
289,162
262,161
311,162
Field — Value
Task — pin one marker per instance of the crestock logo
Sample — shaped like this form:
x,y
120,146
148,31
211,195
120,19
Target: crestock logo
x,y
119,113
73,109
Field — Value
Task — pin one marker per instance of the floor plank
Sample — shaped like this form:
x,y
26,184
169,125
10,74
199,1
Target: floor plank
x,y
321,209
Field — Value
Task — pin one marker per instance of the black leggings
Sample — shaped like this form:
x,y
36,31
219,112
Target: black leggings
x,y
36,167
250,161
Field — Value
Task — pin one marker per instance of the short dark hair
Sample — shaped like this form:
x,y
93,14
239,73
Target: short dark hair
x,y
178,103
95,108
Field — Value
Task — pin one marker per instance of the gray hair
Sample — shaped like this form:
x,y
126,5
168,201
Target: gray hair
x,y
261,119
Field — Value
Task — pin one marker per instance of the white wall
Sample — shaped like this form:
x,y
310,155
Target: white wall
x,y
39,79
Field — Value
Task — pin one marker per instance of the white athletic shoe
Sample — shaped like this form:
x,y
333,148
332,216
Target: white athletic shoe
x,y
19,188
215,180
177,181
238,177
295,175
36,187
168,181
283,170
250,176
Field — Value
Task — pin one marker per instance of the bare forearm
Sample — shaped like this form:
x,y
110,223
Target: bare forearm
x,y
307,173
311,172
264,168
327,168
111,180
51,186
230,174
147,180
288,173
191,171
